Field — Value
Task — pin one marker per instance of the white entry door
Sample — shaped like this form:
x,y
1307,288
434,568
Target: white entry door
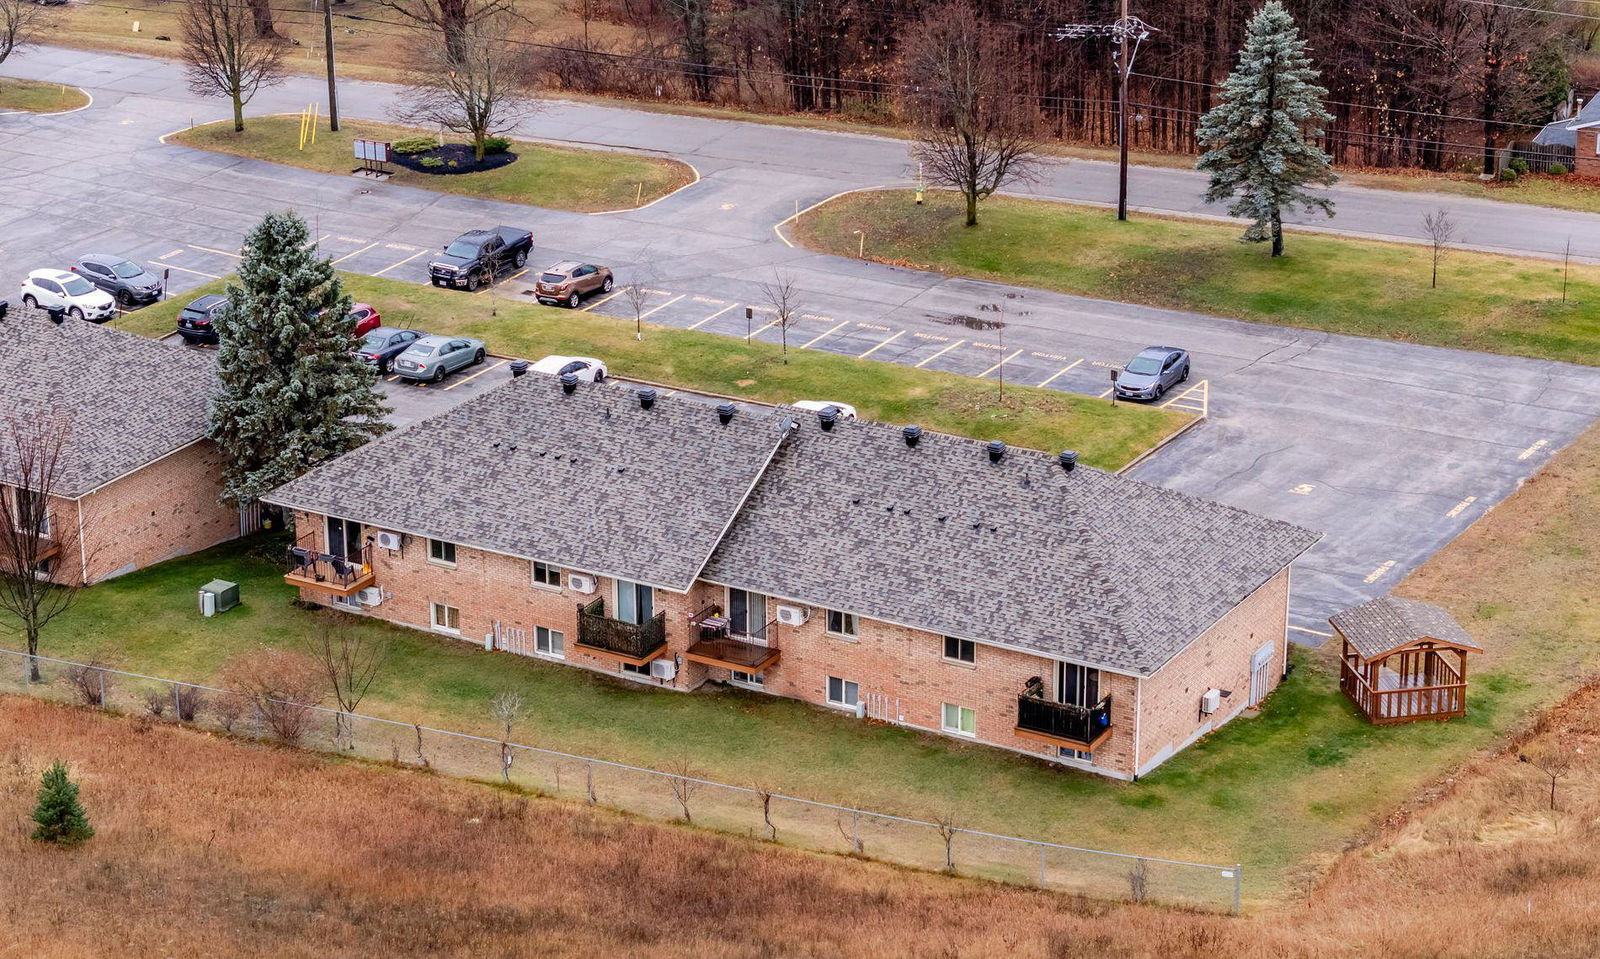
x,y
1262,669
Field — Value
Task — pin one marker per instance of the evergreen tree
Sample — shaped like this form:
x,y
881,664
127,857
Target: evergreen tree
x,y
1259,138
59,817
291,394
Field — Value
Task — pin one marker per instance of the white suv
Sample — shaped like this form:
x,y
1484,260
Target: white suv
x,y
60,290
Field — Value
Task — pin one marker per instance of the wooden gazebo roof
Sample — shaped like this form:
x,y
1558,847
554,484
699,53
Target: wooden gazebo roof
x,y
1389,624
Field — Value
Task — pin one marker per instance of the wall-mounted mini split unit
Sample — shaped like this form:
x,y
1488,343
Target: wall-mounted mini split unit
x,y
580,582
793,615
369,596
1211,701
386,539
663,669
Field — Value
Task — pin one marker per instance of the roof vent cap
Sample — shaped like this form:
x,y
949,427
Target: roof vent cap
x,y
57,315
997,450
829,415
647,398
519,368
913,434
569,383
1068,459
725,413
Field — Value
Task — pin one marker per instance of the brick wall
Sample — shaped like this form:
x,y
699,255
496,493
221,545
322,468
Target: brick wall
x,y
1587,154
1169,701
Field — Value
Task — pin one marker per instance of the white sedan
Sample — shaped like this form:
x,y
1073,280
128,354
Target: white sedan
x,y
586,368
69,292
846,411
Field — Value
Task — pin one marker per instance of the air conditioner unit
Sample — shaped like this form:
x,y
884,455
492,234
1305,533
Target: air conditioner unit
x,y
663,669
386,540
580,582
1211,701
370,596
793,615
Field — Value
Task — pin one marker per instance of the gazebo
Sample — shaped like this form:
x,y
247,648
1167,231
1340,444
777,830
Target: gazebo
x,y
1403,660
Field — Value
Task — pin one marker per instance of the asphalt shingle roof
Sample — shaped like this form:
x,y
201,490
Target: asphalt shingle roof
x,y
589,481
1088,566
1565,132
1387,623
127,400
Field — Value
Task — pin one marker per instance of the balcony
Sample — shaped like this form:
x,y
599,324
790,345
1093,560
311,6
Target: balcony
x,y
1063,724
632,643
326,573
716,644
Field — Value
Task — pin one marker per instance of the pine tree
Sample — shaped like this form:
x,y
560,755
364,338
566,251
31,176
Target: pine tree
x,y
1259,137
291,394
59,817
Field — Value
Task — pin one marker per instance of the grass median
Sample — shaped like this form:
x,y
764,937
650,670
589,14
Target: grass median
x,y
1495,304
1104,435
554,177
31,96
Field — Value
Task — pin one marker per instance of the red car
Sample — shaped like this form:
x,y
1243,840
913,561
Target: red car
x,y
366,318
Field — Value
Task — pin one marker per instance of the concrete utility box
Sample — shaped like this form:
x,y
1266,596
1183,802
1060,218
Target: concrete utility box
x,y
218,596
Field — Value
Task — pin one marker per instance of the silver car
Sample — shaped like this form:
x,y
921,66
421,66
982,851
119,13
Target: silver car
x,y
1154,371
432,358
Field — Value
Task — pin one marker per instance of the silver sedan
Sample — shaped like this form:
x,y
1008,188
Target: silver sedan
x,y
432,358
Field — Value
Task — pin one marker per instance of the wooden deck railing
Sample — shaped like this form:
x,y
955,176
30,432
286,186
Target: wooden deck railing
x,y
1405,703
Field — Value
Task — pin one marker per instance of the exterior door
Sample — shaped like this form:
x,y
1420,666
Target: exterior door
x,y
344,538
747,614
1261,673
635,602
1077,686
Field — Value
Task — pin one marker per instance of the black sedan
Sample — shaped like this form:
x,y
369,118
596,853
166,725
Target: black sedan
x,y
1154,371
124,279
380,346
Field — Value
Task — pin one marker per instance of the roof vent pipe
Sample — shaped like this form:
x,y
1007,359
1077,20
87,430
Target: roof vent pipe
x,y
647,398
569,383
519,368
913,434
997,449
829,415
1068,459
57,315
725,413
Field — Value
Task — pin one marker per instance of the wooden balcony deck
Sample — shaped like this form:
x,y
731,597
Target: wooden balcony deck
x,y
333,575
731,652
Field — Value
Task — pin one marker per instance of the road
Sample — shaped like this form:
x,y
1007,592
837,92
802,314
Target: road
x,y
1390,449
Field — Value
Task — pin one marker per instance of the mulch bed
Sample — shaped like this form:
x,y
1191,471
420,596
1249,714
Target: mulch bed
x,y
458,153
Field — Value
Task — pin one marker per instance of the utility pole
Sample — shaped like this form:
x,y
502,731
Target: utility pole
x,y
1127,27
333,86
1122,113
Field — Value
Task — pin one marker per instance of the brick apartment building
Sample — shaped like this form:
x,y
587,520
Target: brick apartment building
x,y
135,481
1003,596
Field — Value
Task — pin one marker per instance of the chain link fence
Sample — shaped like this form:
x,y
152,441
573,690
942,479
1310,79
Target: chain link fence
x,y
659,794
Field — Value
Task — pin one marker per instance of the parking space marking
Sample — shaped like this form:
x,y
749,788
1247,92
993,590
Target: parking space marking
x,y
820,336
1313,632
1052,356
942,352
208,249
1377,574
403,262
661,307
1533,449
515,275
169,266
874,326
880,345
713,316
932,337
750,336
602,301
462,382
346,256
1106,393
318,240
1195,399
1304,489
706,299
1000,364
1460,507
1065,369
168,256
402,246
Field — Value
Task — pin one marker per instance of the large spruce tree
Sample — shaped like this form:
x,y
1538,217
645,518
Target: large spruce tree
x,y
1259,140
291,393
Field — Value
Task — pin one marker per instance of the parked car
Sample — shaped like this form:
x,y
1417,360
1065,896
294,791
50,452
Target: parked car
x,y
197,321
127,281
381,345
366,318
478,256
587,368
1154,371
569,282
846,411
435,357
60,290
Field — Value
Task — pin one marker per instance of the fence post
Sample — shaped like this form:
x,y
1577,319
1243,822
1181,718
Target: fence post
x,y
102,688
588,781
1041,866
1238,887
177,702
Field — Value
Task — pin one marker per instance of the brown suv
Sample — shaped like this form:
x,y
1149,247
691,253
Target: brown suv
x,y
570,282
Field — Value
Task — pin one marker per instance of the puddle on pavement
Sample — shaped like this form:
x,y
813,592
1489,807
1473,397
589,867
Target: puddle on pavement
x,y
962,319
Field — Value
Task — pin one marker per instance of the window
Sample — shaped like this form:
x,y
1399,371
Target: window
x,y
27,504
550,642
748,679
441,552
842,692
446,618
747,614
841,623
635,602
636,670
546,575
959,720
344,538
960,650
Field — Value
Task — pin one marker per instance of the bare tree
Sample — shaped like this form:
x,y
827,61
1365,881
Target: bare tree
x,y
685,782
637,293
226,55
451,19
90,682
21,22
783,295
350,660
978,126
506,707
281,687
948,830
1555,762
477,83
1440,230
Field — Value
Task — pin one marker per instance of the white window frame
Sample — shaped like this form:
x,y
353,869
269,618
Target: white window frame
x,y
556,571
437,561
17,493
750,680
846,619
962,712
442,626
945,652
546,633
844,685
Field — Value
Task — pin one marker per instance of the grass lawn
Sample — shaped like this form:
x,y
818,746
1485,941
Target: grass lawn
x,y
1104,435
31,96
555,177
1496,304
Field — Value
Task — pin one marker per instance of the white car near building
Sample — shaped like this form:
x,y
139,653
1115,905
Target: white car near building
x,y
60,290
586,368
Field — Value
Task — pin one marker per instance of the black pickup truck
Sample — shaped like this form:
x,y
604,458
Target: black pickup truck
x,y
479,256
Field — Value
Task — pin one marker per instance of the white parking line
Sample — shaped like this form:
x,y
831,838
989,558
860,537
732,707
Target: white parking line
x,y
208,249
699,323
881,345
180,269
1313,632
403,262
661,307
168,256
750,336
349,255
999,364
474,376
820,336
602,301
1063,370
942,352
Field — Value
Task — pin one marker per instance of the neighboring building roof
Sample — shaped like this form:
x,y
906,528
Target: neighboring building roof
x,y
1085,565
1565,132
1388,623
127,399
588,481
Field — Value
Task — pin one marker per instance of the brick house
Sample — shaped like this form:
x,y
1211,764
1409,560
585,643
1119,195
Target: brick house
x,y
136,481
1581,132
1003,596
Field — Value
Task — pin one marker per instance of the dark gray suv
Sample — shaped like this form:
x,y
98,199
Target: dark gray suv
x,y
1154,371
124,279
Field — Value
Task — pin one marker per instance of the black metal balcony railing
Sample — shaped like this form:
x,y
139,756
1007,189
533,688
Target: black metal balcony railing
x,y
1077,724
629,640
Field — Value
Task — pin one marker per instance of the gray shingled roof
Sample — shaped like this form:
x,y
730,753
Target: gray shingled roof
x,y
589,481
1565,132
128,399
1085,565
1387,623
